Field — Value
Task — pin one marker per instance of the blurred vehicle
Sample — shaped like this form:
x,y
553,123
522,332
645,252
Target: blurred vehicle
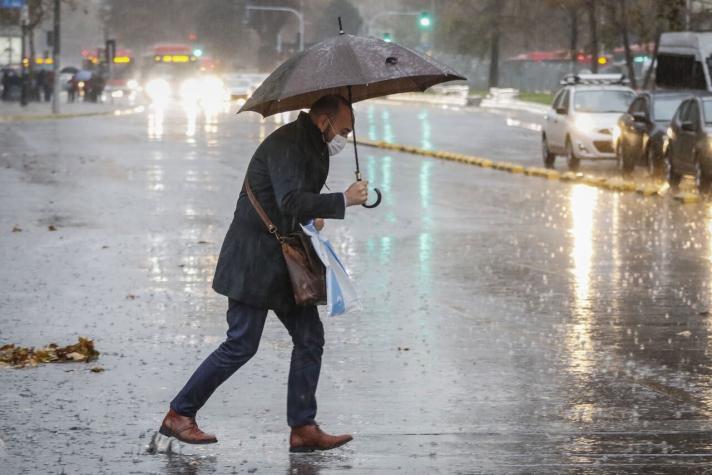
x,y
641,63
166,68
688,148
242,85
239,86
640,134
683,61
123,79
582,118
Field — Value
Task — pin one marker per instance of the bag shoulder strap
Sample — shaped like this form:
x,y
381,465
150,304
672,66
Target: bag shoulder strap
x,y
260,211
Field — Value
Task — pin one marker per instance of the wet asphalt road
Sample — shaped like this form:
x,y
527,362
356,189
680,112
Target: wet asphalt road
x,y
510,324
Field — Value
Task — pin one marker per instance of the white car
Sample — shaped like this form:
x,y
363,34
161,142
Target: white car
x,y
583,118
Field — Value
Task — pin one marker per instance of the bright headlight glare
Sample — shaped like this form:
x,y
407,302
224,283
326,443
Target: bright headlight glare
x,y
132,84
212,84
158,89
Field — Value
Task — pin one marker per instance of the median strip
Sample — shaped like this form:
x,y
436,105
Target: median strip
x,y
612,184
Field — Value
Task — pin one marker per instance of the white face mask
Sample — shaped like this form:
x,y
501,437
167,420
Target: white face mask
x,y
337,144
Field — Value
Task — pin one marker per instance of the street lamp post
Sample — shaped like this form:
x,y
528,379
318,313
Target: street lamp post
x,y
57,86
289,10
24,18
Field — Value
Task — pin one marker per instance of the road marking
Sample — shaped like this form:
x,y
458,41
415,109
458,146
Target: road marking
x,y
612,184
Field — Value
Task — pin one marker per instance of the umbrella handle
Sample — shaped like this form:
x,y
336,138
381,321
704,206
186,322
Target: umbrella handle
x,y
378,194
377,202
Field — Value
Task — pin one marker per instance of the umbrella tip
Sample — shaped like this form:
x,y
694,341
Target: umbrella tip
x,y
341,28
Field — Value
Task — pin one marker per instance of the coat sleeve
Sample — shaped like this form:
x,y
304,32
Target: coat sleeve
x,y
288,173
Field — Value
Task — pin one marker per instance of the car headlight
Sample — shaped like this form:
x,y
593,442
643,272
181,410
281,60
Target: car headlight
x,y
132,84
584,123
158,90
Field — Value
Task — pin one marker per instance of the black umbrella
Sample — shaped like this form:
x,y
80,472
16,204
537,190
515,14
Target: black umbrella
x,y
352,66
70,70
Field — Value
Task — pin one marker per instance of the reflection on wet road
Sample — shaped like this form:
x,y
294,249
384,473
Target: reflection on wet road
x,y
510,325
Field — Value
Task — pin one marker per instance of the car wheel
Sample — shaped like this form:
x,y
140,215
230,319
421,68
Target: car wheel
x,y
673,177
619,156
702,180
655,167
549,158
626,161
572,160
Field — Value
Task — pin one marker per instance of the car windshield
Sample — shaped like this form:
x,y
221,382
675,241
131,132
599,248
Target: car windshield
x,y
602,101
665,108
707,108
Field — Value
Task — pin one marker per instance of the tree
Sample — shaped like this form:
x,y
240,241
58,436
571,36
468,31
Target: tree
x,y
669,16
476,29
572,11
592,12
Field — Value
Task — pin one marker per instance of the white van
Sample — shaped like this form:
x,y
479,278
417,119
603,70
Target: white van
x,y
684,61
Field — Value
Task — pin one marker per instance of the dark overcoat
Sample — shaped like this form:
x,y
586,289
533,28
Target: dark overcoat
x,y
286,174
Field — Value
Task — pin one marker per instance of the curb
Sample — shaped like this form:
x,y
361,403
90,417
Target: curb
x,y
612,184
29,118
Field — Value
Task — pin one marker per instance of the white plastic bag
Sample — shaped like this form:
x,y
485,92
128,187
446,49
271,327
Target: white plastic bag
x,y
341,296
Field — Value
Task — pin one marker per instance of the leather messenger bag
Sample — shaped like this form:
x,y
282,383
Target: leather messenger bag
x,y
306,271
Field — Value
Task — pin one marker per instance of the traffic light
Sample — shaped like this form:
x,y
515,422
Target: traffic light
x,y
425,21
197,52
387,37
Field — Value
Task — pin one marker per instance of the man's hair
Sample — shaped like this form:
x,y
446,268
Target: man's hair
x,y
329,105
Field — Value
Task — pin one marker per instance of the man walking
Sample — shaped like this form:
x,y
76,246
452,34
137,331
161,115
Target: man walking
x,y
286,175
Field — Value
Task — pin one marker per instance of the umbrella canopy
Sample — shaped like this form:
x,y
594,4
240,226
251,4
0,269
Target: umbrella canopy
x,y
83,75
371,67
70,70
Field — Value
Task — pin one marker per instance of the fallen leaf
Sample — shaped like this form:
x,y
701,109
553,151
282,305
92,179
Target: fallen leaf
x,y
16,229
20,357
203,242
76,356
52,227
97,369
131,297
686,333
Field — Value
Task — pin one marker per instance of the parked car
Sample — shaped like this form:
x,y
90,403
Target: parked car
x,y
641,131
688,148
582,117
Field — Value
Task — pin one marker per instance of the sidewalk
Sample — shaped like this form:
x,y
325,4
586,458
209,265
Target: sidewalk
x,y
503,101
13,111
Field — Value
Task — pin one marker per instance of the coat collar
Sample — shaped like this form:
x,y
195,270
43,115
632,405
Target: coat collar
x,y
310,131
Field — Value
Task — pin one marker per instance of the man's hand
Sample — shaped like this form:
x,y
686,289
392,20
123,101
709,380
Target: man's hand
x,y
319,224
357,194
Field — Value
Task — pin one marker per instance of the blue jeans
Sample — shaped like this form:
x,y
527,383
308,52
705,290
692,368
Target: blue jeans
x,y
243,337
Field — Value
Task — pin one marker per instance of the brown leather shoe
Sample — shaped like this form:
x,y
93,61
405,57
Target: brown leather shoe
x,y
185,429
310,438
